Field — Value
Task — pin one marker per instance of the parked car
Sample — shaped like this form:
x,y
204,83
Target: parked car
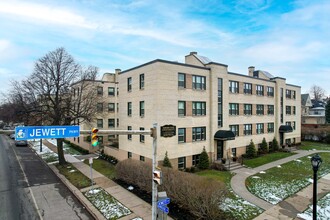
x,y
6,127
12,136
21,143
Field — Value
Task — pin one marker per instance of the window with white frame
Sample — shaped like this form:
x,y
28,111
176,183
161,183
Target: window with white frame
x,y
141,108
182,163
181,135
181,108
181,80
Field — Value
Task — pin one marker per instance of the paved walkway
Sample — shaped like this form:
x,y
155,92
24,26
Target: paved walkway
x,y
238,185
139,207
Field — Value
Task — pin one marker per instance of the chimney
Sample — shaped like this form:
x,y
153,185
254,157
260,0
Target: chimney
x,y
117,71
251,70
193,53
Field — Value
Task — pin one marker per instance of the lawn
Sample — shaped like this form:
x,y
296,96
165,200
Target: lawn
x,y
104,167
308,145
235,205
267,158
78,179
278,183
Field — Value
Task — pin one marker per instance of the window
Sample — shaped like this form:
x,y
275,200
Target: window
x,y
288,94
111,107
141,135
111,91
260,90
260,110
234,152
100,138
247,109
270,109
270,127
199,133
181,80
294,125
99,107
129,108
219,102
260,128
142,158
141,81
181,163
233,108
293,110
129,154
129,136
288,110
99,90
248,129
270,91
111,122
195,159
233,86
100,123
142,109
199,108
129,84
288,123
181,108
234,129
181,135
117,122
293,94
199,82
247,88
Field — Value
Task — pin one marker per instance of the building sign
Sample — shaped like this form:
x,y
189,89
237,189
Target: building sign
x,y
39,132
167,131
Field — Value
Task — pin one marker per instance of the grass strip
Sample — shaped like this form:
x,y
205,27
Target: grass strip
x,y
78,179
103,167
267,158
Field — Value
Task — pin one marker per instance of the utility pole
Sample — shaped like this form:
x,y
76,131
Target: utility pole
x,y
154,165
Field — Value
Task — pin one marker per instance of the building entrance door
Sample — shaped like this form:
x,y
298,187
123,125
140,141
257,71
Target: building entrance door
x,y
219,150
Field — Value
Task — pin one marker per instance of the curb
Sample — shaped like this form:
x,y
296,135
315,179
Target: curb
x,y
74,190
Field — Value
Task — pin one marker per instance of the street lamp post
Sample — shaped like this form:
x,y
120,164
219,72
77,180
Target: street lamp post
x,y
316,161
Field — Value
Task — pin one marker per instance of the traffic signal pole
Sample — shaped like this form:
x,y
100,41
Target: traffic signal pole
x,y
154,165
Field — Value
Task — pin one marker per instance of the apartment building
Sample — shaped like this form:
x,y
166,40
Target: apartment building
x,y
210,107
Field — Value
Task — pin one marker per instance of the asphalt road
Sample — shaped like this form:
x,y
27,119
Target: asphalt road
x,y
30,190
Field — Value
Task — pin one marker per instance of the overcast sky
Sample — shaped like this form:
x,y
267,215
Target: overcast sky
x,y
290,39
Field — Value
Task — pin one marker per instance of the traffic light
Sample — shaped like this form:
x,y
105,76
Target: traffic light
x,y
158,177
95,137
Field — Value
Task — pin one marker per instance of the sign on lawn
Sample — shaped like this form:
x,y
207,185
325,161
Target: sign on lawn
x,y
40,132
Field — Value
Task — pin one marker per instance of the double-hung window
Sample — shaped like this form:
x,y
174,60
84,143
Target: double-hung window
x,y
260,128
198,133
199,108
234,129
288,110
270,91
141,135
129,84
233,109
111,107
129,136
247,129
99,107
199,82
181,163
293,110
181,135
247,109
260,90
129,108
141,108
181,108
195,159
270,109
111,122
260,110
247,88
181,80
142,81
288,94
111,91
99,90
270,127
99,123
233,86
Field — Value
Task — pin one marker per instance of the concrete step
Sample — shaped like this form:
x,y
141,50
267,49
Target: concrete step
x,y
232,166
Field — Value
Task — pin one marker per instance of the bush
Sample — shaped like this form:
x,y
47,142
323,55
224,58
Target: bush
x,y
204,162
108,158
264,147
200,195
275,145
217,166
251,151
76,147
166,161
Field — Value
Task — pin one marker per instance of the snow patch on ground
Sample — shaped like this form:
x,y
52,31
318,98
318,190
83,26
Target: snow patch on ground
x,y
279,166
262,172
240,208
323,209
255,177
130,188
299,161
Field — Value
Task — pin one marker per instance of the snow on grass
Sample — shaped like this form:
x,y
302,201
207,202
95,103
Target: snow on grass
x,y
262,172
240,208
46,154
279,166
323,209
109,207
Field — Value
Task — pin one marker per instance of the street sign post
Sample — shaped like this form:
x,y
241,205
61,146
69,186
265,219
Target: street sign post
x,y
40,132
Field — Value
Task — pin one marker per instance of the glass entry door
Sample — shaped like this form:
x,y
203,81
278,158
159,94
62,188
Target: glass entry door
x,y
219,150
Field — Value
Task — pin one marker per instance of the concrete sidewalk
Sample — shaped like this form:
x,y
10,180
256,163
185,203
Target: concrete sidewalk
x,y
238,185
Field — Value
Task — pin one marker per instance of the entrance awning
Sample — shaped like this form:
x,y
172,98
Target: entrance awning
x,y
285,129
224,135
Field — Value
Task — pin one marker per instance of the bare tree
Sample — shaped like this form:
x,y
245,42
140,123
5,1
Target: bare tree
x,y
49,94
317,92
